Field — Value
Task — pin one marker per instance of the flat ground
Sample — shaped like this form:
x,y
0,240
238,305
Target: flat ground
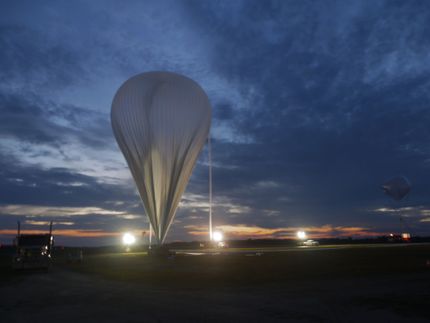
x,y
318,284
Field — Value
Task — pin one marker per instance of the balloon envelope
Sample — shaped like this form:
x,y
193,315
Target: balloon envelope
x,y
161,121
397,187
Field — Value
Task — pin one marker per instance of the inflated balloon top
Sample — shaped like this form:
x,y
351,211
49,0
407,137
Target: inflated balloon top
x,y
161,121
397,187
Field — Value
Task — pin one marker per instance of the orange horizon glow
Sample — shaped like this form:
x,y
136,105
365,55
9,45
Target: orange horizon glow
x,y
242,231
65,233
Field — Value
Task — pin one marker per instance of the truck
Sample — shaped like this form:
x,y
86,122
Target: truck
x,y
33,251
310,243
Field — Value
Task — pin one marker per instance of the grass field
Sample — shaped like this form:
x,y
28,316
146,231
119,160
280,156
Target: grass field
x,y
331,283
271,267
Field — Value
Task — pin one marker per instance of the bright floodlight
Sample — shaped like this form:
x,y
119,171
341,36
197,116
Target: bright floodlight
x,y
301,235
128,239
217,236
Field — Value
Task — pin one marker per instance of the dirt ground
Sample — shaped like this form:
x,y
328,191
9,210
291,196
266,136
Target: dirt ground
x,y
131,288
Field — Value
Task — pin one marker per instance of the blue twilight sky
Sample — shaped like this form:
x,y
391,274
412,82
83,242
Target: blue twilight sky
x,y
315,104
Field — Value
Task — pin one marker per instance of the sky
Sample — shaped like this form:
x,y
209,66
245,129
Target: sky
x,y
315,105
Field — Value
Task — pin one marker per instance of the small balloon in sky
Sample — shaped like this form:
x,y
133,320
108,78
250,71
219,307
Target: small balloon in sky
x,y
397,187
161,121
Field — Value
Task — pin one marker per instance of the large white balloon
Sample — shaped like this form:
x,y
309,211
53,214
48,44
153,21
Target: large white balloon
x,y
161,121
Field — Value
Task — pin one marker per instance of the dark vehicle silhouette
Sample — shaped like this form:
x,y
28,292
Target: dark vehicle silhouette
x,y
33,251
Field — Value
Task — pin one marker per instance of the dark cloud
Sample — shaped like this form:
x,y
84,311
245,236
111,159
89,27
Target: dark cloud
x,y
56,187
31,119
29,60
223,111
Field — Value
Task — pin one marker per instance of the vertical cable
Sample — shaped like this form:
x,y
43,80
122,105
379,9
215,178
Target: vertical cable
x,y
150,235
210,186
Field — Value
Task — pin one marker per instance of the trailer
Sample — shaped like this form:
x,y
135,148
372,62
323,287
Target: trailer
x,y
33,251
